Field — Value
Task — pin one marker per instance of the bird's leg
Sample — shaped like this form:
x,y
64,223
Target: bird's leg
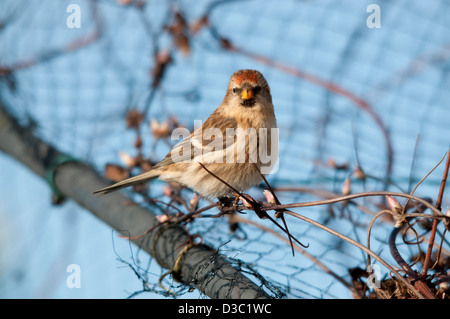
x,y
224,202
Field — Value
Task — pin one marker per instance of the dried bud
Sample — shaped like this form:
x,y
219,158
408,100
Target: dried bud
x,y
167,191
193,203
162,218
116,173
127,159
160,130
397,209
359,173
245,202
179,31
269,197
134,119
394,204
154,125
138,142
164,129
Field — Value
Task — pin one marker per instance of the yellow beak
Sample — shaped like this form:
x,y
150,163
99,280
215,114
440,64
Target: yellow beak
x,y
247,94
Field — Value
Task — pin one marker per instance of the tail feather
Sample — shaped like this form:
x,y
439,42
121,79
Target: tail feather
x,y
144,177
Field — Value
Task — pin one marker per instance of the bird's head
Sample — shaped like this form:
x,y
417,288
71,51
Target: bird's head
x,y
248,88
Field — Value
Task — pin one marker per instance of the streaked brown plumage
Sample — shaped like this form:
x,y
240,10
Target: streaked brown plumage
x,y
247,105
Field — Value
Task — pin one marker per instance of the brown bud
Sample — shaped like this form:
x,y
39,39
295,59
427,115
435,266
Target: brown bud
x,y
359,173
116,173
138,142
134,119
346,187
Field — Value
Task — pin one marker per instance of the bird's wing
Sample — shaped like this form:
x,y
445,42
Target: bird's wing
x,y
211,136
192,148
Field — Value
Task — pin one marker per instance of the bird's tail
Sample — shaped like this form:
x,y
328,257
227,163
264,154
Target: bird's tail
x,y
144,177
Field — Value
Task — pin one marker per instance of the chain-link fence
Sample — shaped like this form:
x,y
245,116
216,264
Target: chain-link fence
x,y
361,95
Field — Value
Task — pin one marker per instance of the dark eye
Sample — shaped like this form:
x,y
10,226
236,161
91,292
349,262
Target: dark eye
x,y
257,89
234,90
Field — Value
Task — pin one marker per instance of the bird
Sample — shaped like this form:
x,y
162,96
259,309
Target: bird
x,y
223,155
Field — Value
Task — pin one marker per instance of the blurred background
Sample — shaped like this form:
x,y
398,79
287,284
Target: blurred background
x,y
355,84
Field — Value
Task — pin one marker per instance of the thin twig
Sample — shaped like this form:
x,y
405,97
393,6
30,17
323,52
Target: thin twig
x,y
369,230
353,196
360,246
427,260
420,182
280,211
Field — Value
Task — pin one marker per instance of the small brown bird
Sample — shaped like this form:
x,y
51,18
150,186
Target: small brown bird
x,y
237,143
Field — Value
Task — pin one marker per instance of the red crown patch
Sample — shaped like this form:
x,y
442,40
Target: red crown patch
x,y
247,75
